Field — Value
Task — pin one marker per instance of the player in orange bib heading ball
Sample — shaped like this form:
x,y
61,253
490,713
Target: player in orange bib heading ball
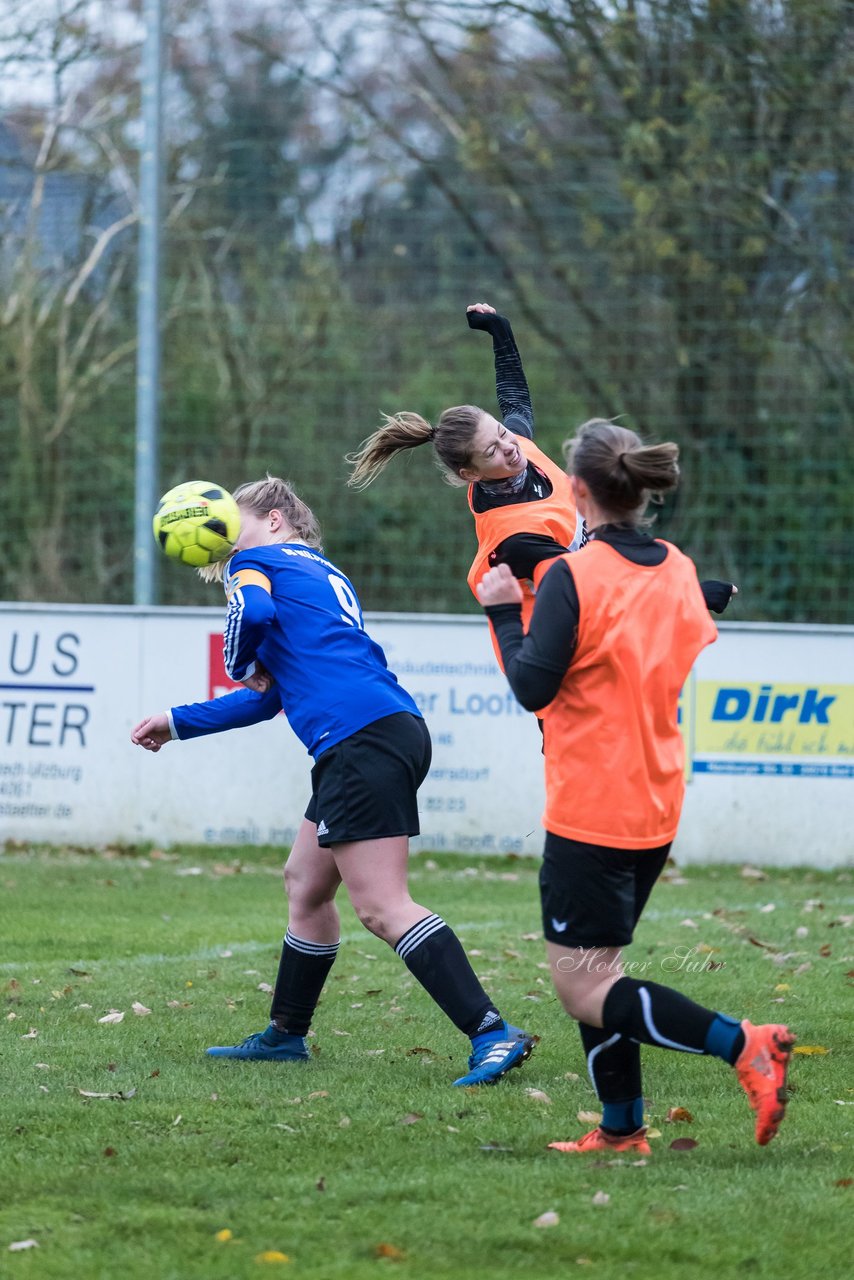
x,y
524,509
615,630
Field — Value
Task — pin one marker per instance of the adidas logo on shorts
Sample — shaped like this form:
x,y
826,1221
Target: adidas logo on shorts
x,y
322,829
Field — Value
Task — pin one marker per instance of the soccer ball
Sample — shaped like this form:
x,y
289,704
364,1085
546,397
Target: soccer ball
x,y
197,522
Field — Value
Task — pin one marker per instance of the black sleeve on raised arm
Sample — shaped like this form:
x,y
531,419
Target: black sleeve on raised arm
x,y
511,386
535,664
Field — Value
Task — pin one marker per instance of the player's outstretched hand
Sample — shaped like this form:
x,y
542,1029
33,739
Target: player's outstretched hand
x,y
152,732
498,586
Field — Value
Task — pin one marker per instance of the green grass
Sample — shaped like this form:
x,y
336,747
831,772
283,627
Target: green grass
x,y
318,1161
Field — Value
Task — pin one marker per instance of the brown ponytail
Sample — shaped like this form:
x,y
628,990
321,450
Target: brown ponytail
x,y
621,472
451,438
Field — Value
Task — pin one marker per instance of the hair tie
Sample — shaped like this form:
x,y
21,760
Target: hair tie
x,y
432,433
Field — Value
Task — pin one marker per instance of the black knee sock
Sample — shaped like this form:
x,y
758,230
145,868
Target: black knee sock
x,y
434,955
613,1062
663,1017
303,969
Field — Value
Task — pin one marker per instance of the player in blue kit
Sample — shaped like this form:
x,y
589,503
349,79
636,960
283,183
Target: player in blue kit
x,y
295,638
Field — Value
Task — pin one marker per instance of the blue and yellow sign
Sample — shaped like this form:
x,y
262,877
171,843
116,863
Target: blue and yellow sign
x,y
768,728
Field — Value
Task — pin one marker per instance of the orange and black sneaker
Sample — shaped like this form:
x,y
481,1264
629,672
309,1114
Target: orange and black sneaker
x,y
761,1067
599,1140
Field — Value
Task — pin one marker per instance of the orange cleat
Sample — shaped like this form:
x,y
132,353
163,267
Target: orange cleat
x,y
762,1066
598,1140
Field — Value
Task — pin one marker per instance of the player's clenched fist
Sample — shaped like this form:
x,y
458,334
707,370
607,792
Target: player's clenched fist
x,y
498,586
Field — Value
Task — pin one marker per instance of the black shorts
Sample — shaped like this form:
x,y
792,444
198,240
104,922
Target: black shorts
x,y
593,896
364,788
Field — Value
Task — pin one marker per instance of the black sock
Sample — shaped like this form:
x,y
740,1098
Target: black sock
x,y
434,955
613,1062
657,1015
303,969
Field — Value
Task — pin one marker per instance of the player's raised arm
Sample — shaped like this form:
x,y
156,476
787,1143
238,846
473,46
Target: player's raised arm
x,y
511,386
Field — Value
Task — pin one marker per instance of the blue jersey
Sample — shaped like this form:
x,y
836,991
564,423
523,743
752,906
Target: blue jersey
x,y
293,611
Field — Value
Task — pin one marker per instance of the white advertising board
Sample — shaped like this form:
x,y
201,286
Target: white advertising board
x,y
767,715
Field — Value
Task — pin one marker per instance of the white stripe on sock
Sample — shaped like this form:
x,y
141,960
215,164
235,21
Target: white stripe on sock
x,y
419,933
606,1044
310,948
646,1003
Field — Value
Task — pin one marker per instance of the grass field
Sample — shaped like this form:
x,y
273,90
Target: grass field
x,y
365,1161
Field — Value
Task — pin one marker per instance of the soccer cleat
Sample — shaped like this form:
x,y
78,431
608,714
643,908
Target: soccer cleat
x,y
256,1048
493,1059
761,1067
598,1140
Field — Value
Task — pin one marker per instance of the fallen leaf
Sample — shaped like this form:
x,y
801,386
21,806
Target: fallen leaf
x,y
140,1010
30,1035
43,1066
17,1246
844,1182
271,1255
601,1199
824,950
810,1049
110,1151
265,987
589,1117
653,1133
122,1096
412,1117
420,1049
684,1144
224,1236
225,955
344,1122
177,1120
548,1219
188,871
782,986
320,1185
531,937
318,1093
753,873
679,1115
769,906
687,923
537,1095
389,1251
112,1018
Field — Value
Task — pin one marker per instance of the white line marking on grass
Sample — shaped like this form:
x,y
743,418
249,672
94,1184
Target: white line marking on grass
x,y
207,954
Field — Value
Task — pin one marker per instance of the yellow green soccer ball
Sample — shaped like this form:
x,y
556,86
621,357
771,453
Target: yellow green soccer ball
x,y
197,522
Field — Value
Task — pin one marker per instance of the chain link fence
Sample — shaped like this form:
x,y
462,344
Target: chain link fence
x,y
663,212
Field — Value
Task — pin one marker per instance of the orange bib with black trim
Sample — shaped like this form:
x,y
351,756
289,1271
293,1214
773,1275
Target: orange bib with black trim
x,y
552,517
614,752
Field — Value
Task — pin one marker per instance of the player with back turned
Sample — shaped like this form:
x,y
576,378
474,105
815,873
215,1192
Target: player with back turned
x,y
614,633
